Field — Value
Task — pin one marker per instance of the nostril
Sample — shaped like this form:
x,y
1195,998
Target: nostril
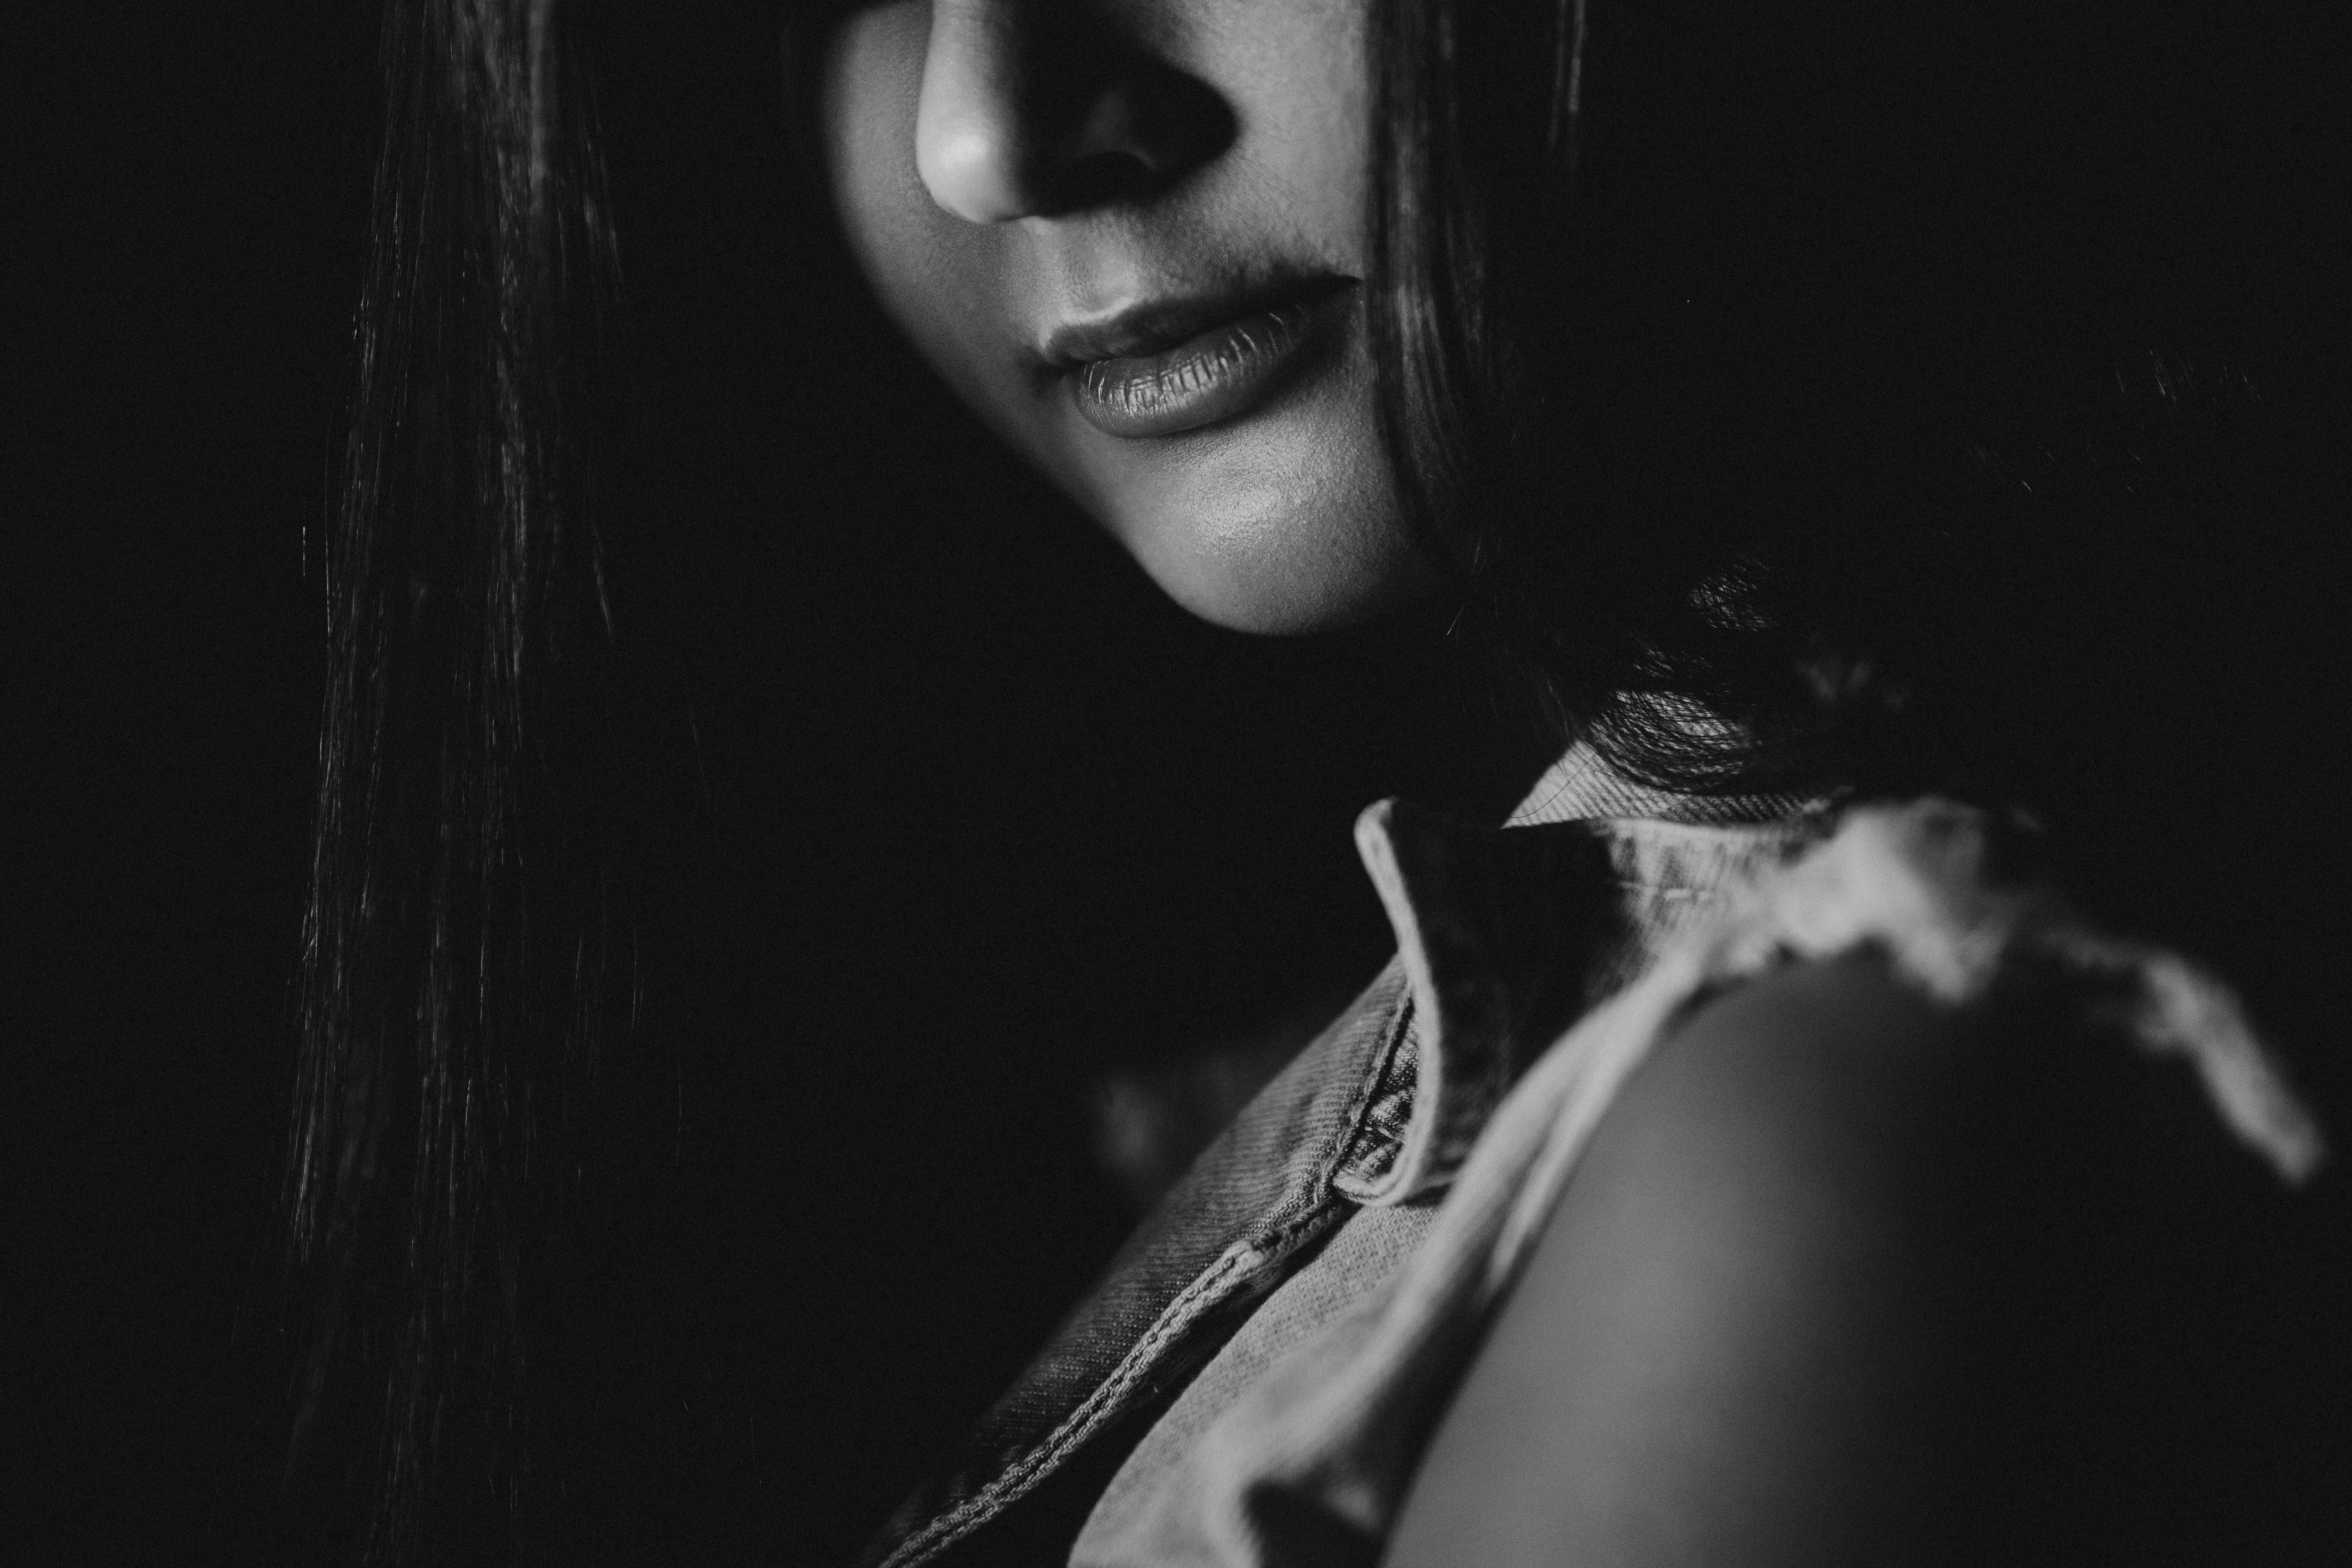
x,y
1017,120
1098,179
1142,129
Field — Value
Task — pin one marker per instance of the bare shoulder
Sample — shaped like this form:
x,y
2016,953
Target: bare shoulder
x,y
1815,1080
1718,1348
1847,1276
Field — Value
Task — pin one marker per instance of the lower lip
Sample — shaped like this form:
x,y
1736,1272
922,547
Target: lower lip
x,y
1225,371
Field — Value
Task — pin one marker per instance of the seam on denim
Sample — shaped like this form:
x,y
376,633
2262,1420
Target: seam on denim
x,y
1396,1029
1275,1239
1238,1262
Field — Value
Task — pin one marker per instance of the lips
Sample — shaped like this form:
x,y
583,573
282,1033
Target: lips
x,y
1168,366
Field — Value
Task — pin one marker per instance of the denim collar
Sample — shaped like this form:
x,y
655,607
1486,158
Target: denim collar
x,y
1505,936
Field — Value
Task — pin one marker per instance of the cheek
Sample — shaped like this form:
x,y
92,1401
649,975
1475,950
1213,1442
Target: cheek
x,y
942,281
1300,71
869,85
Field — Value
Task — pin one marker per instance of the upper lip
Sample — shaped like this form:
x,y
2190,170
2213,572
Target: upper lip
x,y
1155,325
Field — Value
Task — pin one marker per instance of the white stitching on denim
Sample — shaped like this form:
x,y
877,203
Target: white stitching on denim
x,y
1341,1178
1238,1262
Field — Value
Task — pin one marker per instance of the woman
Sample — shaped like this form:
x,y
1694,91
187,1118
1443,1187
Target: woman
x,y
1205,264
1734,1166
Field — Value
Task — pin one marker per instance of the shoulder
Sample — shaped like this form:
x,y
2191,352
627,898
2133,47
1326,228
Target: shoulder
x,y
1793,1134
1846,1270
1818,1073
1744,1335
1714,1352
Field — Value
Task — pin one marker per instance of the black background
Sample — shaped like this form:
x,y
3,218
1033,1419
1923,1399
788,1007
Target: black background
x,y
981,817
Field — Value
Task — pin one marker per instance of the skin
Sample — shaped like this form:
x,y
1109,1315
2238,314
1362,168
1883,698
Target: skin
x,y
1005,167
1727,1343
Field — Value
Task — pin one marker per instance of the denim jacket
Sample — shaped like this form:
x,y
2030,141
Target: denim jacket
x,y
1249,1383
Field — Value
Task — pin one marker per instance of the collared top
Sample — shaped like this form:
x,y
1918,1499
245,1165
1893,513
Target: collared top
x,y
1260,1361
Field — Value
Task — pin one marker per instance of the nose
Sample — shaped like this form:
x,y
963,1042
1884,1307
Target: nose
x,y
1026,115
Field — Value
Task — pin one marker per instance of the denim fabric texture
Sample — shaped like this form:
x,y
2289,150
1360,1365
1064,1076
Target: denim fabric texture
x,y
1346,1123
1287,1323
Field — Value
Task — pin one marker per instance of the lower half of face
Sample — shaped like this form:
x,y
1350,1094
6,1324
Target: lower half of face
x,y
1182,352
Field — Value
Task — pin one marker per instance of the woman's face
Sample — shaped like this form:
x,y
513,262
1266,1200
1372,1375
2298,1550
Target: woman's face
x,y
1130,233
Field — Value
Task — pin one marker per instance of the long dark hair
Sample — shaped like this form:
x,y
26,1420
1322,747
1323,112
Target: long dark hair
x,y
462,970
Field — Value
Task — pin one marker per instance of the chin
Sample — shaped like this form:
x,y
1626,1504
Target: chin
x,y
1280,526
1277,562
